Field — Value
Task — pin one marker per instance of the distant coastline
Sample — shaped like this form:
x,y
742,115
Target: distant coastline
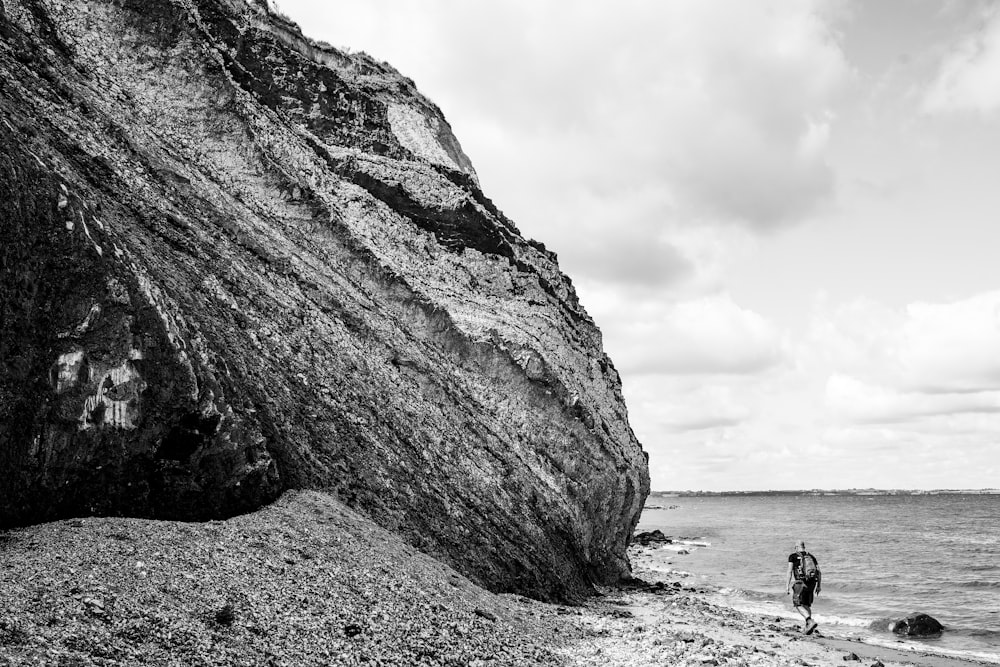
x,y
827,492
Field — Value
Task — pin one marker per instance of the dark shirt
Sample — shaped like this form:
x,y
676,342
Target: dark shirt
x,y
794,560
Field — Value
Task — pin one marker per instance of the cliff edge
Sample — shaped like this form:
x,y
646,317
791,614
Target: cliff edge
x,y
236,261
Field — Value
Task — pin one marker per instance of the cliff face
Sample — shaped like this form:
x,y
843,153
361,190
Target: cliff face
x,y
235,261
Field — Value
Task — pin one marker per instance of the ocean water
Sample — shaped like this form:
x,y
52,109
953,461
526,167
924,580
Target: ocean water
x,y
882,557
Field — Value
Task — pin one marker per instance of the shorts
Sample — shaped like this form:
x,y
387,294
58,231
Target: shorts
x,y
802,593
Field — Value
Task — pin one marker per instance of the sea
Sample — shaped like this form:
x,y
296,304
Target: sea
x,y
882,557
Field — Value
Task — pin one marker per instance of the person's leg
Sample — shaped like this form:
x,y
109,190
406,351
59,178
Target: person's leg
x,y
806,599
801,604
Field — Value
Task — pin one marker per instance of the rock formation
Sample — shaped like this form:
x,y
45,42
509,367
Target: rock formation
x,y
237,261
654,537
917,625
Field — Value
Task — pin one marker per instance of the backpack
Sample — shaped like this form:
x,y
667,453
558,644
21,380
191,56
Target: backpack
x,y
807,566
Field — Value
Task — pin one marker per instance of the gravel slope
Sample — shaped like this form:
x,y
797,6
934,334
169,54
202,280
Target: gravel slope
x,y
305,581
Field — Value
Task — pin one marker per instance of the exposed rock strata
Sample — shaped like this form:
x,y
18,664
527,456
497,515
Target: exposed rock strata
x,y
236,261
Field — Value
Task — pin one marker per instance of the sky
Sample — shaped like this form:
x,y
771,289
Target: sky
x,y
783,215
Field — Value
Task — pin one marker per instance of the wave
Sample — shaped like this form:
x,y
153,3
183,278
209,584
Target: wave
x,y
978,583
692,542
771,604
872,631
775,604
882,624
750,595
988,657
974,541
981,568
666,569
677,547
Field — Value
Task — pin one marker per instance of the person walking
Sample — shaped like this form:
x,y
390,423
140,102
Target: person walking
x,y
804,583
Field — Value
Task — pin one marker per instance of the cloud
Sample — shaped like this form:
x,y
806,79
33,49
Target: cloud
x,y
969,77
952,346
618,241
629,121
856,338
678,404
871,397
706,408
855,401
706,335
923,360
727,104
631,260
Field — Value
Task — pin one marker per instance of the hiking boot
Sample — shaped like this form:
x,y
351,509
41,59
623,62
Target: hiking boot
x,y
810,626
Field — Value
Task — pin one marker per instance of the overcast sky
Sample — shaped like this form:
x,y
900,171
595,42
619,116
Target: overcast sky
x,y
783,215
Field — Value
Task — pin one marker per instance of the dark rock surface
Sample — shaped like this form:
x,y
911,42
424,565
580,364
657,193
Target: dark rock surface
x,y
917,625
235,261
651,537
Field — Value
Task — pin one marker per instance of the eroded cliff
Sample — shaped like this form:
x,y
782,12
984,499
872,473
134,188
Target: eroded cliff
x,y
236,261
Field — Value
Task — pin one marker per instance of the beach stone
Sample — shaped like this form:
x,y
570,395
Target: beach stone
x,y
651,537
94,605
851,657
488,615
917,625
226,615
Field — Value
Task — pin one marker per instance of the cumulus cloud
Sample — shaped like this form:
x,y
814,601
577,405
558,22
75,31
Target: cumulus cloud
x,y
631,260
952,346
853,400
706,335
926,359
677,404
969,76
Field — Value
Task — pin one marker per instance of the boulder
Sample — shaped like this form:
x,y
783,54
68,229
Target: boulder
x,y
651,537
235,261
916,625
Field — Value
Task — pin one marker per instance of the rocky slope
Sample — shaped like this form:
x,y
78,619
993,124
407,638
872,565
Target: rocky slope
x,y
302,582
236,261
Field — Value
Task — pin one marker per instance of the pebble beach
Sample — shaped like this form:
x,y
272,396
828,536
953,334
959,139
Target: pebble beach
x,y
307,581
671,623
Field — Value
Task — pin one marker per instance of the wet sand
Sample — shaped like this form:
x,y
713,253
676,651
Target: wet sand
x,y
675,623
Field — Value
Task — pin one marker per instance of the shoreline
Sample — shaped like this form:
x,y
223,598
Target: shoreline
x,y
643,629
308,581
674,622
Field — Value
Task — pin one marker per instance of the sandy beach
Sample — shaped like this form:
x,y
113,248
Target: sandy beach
x,y
307,581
